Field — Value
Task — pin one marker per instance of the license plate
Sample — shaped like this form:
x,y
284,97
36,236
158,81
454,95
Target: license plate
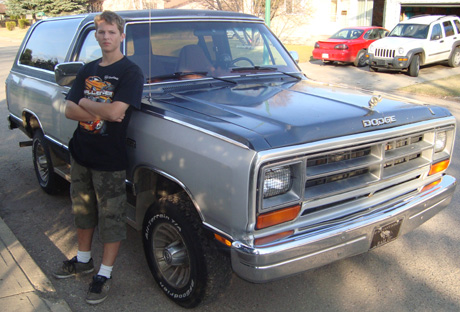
x,y
385,234
325,56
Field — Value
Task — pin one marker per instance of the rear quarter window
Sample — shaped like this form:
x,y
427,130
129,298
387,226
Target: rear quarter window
x,y
48,44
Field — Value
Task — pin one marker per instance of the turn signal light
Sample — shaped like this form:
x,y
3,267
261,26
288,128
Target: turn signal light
x,y
276,217
271,238
438,167
223,240
430,186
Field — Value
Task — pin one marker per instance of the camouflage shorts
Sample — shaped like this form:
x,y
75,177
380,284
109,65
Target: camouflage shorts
x,y
99,199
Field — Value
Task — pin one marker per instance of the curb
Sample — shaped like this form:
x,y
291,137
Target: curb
x,y
24,266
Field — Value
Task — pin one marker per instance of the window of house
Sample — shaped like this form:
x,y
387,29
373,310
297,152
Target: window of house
x,y
48,44
333,10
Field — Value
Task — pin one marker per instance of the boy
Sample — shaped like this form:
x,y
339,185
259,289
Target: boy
x,y
101,100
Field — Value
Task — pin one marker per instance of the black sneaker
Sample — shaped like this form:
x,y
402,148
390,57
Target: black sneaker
x,y
98,289
72,267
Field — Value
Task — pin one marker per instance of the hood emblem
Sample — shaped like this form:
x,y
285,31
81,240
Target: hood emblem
x,y
379,121
375,99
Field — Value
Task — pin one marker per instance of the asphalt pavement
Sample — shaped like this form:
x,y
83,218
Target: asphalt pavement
x,y
24,286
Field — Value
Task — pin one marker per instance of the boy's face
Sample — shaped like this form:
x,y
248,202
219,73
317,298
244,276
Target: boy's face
x,y
108,36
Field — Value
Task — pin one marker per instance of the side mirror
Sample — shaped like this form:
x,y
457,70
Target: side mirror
x,y
65,73
294,55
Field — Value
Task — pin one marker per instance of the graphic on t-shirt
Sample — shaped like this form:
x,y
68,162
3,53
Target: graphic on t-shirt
x,y
97,90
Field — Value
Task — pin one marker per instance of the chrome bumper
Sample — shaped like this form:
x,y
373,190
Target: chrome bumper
x,y
317,249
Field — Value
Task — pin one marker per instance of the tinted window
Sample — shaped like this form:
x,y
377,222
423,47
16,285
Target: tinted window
x,y
457,25
448,28
416,31
90,49
211,48
347,34
48,44
436,33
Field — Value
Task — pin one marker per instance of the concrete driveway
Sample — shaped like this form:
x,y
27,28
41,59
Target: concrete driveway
x,y
361,77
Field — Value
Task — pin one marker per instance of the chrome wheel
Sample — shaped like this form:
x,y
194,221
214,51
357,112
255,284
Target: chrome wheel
x,y
171,256
41,162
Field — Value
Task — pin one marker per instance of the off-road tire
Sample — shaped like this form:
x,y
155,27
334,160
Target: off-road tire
x,y
49,181
414,67
176,243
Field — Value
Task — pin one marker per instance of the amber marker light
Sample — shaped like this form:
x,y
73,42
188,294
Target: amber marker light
x,y
223,240
438,167
431,185
276,217
271,238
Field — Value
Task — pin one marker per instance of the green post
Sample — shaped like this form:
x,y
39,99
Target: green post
x,y
267,12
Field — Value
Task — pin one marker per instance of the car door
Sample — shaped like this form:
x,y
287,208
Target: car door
x,y
449,38
435,45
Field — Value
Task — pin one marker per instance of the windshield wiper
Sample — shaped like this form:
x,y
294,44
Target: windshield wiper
x,y
264,68
176,75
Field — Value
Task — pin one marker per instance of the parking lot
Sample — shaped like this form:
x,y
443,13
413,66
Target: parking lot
x,y
418,272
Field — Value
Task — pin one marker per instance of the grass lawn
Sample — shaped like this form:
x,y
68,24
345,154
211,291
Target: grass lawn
x,y
446,87
305,52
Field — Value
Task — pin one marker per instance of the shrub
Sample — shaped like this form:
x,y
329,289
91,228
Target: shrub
x,y
23,23
10,25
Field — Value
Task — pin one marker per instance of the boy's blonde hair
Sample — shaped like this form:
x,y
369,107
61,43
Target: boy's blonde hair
x,y
111,18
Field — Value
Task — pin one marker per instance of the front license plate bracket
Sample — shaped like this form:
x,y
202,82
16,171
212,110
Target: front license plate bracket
x,y
385,234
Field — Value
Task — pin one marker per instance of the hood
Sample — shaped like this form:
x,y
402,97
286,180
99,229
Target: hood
x,y
394,43
272,115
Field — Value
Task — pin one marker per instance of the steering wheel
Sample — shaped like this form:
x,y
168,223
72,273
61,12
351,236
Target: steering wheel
x,y
238,59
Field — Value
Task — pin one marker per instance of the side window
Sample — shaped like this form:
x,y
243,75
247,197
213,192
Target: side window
x,y
90,49
448,28
436,33
457,25
370,34
48,44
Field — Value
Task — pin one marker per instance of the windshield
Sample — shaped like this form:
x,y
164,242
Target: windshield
x,y
187,50
347,34
410,31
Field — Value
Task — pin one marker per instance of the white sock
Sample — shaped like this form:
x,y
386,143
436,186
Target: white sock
x,y
105,271
83,256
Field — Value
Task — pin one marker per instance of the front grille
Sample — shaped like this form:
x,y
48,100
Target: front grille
x,y
337,179
385,53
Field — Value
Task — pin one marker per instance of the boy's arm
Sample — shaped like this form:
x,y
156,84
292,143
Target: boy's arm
x,y
114,111
78,113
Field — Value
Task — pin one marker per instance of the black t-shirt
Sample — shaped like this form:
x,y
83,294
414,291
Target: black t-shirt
x,y
100,144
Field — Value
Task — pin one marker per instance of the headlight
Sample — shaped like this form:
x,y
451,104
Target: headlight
x,y
371,49
441,141
401,51
277,181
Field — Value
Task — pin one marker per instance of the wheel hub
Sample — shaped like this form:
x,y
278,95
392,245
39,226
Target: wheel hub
x,y
174,255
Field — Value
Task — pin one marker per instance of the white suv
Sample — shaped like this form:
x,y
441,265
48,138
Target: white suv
x,y
418,41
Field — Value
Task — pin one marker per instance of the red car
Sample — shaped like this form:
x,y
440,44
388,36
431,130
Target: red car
x,y
348,45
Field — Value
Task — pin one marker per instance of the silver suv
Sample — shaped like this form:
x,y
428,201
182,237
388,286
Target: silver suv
x,y
236,160
416,42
